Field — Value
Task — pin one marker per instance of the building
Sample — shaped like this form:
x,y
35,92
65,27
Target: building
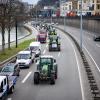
x,y
65,7
89,7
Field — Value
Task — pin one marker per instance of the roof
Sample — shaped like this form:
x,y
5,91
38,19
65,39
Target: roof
x,y
47,56
24,52
9,65
34,43
2,78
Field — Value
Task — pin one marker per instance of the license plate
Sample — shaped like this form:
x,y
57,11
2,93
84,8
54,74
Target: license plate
x,y
54,45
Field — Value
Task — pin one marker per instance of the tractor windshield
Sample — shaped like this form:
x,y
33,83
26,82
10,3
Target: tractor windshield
x,y
46,61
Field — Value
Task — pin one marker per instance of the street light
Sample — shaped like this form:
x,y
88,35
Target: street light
x,y
81,26
64,13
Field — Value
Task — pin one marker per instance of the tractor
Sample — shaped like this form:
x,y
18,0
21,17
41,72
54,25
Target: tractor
x,y
46,70
54,43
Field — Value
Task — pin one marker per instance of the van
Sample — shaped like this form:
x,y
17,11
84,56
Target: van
x,y
35,47
25,59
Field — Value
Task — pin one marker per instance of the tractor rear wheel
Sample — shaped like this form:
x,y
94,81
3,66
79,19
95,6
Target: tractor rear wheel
x,y
36,78
56,72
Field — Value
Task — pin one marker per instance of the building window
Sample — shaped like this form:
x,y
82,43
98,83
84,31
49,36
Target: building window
x,y
98,6
98,1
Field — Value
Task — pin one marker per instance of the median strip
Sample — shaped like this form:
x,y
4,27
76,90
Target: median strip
x,y
10,54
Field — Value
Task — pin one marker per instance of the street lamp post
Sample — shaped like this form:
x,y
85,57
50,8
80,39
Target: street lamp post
x,y
51,15
81,26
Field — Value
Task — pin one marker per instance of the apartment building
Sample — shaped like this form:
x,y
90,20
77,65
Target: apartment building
x,y
90,7
65,8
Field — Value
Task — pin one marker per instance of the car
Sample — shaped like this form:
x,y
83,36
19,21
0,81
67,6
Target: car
x,y
54,43
47,70
35,47
7,84
25,58
11,69
96,38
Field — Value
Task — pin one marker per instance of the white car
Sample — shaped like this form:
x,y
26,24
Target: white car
x,y
35,47
25,58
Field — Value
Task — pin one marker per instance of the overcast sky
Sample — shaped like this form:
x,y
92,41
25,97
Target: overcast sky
x,y
31,1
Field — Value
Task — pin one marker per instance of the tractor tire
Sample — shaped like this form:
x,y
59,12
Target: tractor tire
x,y
36,78
52,80
56,72
59,48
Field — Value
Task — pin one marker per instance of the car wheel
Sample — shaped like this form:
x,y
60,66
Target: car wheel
x,y
12,89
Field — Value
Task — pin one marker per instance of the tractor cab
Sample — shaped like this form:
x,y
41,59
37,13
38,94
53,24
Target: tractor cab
x,y
54,43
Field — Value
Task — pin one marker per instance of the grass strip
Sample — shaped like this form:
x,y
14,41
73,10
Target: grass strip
x,y
13,51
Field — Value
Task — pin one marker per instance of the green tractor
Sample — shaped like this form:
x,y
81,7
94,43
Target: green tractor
x,y
54,43
46,70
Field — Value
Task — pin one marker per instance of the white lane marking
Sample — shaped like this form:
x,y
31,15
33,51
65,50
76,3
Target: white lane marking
x,y
88,38
9,99
78,65
80,77
92,59
59,54
44,51
23,81
46,45
97,45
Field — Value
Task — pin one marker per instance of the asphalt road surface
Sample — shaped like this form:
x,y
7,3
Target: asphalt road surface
x,y
68,85
90,47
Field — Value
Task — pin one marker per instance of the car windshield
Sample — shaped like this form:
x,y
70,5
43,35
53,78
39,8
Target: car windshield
x,y
34,48
45,60
8,69
23,56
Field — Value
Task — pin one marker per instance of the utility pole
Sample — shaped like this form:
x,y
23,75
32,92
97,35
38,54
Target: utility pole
x,y
81,26
16,32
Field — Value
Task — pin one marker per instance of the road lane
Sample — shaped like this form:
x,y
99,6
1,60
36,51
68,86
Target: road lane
x,y
89,46
67,85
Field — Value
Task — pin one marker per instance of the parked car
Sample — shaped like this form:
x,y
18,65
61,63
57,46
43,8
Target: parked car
x,y
10,69
96,38
25,59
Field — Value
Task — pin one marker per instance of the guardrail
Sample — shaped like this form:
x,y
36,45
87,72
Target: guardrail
x,y
91,79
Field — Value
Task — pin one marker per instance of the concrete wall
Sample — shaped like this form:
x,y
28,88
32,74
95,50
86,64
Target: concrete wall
x,y
92,25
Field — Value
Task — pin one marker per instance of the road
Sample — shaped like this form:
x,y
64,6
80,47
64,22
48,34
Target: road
x,y
90,48
68,85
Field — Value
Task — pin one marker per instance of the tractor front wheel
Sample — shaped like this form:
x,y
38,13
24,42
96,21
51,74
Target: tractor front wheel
x,y
52,80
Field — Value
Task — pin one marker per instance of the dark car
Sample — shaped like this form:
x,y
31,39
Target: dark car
x,y
10,69
97,38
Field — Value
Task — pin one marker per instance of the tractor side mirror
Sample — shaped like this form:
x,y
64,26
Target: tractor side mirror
x,y
54,60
